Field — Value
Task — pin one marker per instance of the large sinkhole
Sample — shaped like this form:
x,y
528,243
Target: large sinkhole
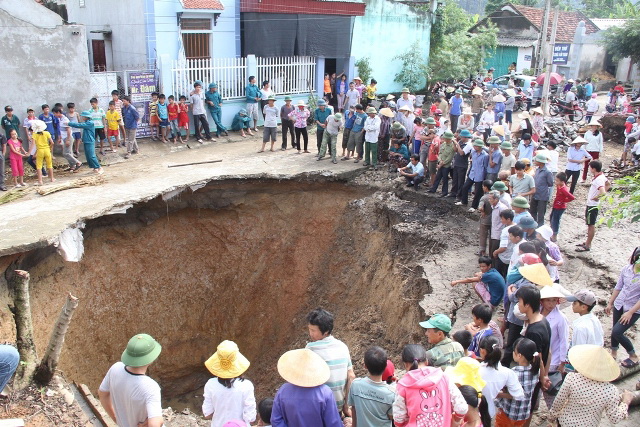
x,y
238,260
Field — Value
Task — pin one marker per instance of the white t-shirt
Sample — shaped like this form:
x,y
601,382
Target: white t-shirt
x,y
508,162
505,242
636,148
64,126
352,97
135,397
553,156
266,93
496,380
235,403
587,329
270,116
597,182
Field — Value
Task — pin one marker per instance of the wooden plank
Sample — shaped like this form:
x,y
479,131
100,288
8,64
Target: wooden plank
x,y
95,406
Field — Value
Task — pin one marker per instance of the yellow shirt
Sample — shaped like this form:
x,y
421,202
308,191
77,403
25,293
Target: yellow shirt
x,y
113,119
371,92
42,140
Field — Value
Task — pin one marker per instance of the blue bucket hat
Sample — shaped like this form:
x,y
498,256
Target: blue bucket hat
x,y
465,133
631,119
213,86
197,83
86,114
321,103
242,112
528,222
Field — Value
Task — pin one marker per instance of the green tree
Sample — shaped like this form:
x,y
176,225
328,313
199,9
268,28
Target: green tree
x,y
451,18
492,6
623,200
622,42
611,8
412,74
364,69
462,54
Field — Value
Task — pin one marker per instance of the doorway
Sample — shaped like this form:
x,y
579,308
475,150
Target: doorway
x,y
99,55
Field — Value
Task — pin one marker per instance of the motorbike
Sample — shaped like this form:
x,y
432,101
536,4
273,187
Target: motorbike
x,y
563,109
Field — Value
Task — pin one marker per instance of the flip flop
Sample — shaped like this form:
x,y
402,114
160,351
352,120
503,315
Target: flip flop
x,y
582,249
628,363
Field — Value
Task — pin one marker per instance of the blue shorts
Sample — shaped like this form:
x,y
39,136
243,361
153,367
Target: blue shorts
x,y
77,135
164,123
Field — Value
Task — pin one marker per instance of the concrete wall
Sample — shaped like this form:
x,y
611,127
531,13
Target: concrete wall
x,y
387,29
627,72
43,61
525,55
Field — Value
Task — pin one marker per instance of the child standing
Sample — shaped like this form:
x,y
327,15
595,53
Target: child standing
x,y
115,97
270,114
154,120
48,119
183,118
163,116
44,146
418,127
73,116
172,109
67,145
514,412
98,117
587,328
113,125
350,118
563,196
15,158
370,397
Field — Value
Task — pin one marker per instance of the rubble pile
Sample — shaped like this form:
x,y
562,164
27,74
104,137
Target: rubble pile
x,y
561,131
613,126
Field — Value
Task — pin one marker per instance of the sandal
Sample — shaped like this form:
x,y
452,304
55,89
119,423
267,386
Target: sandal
x,y
582,248
628,363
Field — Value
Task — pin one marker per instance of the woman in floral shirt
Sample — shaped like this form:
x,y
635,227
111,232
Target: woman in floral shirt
x,y
299,117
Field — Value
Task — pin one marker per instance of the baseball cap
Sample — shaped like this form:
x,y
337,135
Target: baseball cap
x,y
585,296
389,371
438,321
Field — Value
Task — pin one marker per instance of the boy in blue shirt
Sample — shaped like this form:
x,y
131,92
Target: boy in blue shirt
x,y
163,117
349,120
48,120
489,283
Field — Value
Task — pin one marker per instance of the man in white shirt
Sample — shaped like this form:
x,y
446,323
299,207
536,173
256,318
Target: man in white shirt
x,y
586,329
371,132
599,186
352,97
413,172
128,395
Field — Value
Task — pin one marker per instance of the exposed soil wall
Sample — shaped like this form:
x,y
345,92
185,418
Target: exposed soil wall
x,y
234,260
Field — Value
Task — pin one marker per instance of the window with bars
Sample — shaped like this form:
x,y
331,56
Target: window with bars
x,y
196,37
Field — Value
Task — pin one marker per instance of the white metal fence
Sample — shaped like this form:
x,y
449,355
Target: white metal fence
x,y
288,75
104,82
229,73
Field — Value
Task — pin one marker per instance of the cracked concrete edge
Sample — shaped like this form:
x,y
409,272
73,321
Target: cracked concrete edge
x,y
53,237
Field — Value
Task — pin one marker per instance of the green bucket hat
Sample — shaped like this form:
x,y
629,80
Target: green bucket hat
x,y
430,121
141,350
438,321
500,186
464,133
478,143
338,116
459,91
271,98
447,135
371,110
396,125
86,114
506,145
541,158
288,98
405,90
494,140
520,202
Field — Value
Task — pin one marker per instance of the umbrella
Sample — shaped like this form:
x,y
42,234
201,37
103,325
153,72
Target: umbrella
x,y
555,78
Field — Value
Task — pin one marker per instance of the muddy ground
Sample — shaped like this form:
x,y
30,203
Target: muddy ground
x,y
246,259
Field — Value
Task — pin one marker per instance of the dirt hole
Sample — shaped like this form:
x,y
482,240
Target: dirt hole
x,y
239,260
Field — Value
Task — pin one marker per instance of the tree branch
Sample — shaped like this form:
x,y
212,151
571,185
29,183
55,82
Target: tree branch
x,y
24,330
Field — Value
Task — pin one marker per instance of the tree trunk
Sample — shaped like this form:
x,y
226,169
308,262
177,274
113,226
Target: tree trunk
x,y
24,330
47,367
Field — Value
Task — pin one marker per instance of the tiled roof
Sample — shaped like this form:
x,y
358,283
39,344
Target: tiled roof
x,y
203,4
567,22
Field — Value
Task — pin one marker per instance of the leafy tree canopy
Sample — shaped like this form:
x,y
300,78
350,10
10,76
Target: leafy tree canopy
x,y
622,42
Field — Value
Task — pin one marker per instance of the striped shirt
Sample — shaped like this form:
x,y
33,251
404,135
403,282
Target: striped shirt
x,y
337,356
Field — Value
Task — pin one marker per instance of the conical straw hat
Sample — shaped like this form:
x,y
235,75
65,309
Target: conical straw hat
x,y
303,368
536,273
594,362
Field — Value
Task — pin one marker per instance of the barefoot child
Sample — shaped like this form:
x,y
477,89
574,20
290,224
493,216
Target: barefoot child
x,y
15,158
113,125
115,97
172,109
73,116
183,118
44,146
98,117
89,140
163,116
270,113
154,120
67,141
563,196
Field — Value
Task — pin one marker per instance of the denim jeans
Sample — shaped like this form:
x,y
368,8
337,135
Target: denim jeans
x,y
556,214
9,359
617,333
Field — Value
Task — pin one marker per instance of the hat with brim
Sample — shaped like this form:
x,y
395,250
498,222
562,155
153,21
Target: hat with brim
x,y
322,103
405,90
594,362
288,98
438,321
386,112
476,91
141,350
541,158
500,186
390,97
227,362
578,140
520,202
38,126
301,103
465,133
466,372
357,78
524,115
594,123
197,83
537,110
550,292
510,92
404,108
467,112
527,222
448,135
499,98
478,143
458,91
494,140
271,98
371,110
536,273
396,125
304,368
430,121
506,145
337,116
545,232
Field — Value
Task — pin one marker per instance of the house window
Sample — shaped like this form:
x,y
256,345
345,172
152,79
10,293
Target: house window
x,y
196,37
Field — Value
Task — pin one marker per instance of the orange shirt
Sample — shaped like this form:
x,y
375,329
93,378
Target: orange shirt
x,y
327,86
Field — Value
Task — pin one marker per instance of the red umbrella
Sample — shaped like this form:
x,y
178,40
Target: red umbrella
x,y
554,79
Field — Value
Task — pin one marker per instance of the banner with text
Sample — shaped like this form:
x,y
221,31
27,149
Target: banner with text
x,y
561,53
142,85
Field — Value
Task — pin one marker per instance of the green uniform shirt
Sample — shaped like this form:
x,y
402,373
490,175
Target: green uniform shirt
x,y
10,123
447,151
445,353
